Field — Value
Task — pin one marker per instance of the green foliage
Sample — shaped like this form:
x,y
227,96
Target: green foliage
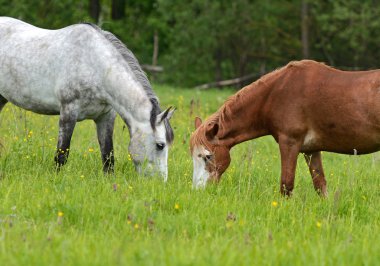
x,y
81,217
238,34
348,32
48,13
203,40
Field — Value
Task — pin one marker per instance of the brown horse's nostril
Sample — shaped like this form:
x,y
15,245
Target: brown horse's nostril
x,y
214,178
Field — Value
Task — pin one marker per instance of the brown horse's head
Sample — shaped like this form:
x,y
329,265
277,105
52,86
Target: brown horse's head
x,y
210,158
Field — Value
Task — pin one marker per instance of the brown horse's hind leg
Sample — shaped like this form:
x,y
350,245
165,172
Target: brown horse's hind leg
x,y
289,149
314,161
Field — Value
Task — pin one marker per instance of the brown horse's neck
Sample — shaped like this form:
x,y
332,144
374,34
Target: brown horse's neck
x,y
240,118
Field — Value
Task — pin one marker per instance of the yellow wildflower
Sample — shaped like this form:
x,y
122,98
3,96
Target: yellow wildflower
x,y
60,214
176,206
319,224
136,226
229,224
90,150
274,203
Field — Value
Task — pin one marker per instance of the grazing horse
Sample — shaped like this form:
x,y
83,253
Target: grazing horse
x,y
82,72
307,107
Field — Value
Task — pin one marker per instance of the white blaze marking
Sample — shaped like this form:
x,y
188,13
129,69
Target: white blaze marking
x,y
200,174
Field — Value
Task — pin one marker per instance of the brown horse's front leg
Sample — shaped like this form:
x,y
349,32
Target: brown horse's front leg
x,y
314,161
289,149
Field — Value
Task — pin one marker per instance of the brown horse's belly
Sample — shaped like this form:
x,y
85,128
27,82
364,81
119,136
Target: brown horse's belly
x,y
344,142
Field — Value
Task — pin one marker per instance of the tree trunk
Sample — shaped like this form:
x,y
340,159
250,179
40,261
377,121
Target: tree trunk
x,y
155,48
118,9
218,65
305,29
242,67
95,10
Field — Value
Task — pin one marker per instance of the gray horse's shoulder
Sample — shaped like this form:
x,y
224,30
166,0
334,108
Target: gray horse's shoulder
x,y
81,34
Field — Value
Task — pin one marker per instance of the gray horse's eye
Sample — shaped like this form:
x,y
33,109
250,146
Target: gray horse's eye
x,y
160,146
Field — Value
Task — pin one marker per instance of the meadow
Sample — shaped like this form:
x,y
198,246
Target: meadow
x,y
81,217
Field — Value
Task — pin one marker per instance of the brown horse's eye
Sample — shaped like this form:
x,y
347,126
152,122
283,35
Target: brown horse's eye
x,y
207,158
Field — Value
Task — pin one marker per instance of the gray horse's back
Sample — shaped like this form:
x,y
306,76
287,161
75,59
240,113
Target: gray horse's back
x,y
39,68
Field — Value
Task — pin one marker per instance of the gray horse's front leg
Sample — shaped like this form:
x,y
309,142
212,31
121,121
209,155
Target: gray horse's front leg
x,y
67,120
3,101
104,128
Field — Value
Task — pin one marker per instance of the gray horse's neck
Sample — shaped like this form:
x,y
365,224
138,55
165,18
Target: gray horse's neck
x,y
128,98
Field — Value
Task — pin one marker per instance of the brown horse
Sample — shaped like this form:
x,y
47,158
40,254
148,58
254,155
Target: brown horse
x,y
307,107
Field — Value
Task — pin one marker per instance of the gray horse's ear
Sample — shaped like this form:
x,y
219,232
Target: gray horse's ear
x,y
165,114
170,114
197,122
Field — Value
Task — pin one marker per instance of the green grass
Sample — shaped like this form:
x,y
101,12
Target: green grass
x,y
127,220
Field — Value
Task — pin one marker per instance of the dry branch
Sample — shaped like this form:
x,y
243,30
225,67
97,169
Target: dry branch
x,y
227,82
154,69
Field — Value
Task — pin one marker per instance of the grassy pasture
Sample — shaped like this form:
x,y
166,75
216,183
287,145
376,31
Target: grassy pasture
x,y
81,217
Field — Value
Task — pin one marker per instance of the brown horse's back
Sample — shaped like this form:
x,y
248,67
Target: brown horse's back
x,y
332,110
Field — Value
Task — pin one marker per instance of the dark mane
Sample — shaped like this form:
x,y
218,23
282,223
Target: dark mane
x,y
140,76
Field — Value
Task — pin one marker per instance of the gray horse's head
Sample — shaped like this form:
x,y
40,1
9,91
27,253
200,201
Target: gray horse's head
x,y
149,141
149,145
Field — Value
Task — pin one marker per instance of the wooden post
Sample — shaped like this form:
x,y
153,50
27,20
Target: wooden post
x,y
155,53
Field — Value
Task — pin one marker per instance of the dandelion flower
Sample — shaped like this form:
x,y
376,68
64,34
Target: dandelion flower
x,y
136,226
274,203
176,206
319,224
60,214
90,150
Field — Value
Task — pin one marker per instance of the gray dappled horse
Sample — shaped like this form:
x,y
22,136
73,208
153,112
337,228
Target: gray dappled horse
x,y
82,72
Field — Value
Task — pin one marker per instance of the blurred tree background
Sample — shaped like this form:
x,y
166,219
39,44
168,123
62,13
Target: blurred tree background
x,y
200,41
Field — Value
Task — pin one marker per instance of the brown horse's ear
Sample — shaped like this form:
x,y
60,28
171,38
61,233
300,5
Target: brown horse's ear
x,y
211,131
198,122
